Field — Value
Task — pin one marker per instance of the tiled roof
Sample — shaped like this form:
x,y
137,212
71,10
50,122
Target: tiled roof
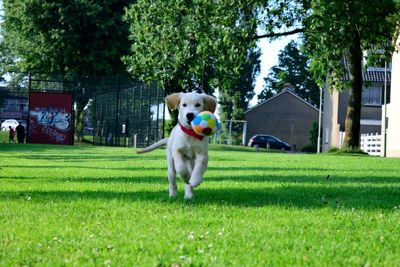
x,y
372,76
279,94
376,75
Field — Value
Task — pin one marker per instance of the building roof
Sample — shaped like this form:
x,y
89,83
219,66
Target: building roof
x,y
278,95
370,75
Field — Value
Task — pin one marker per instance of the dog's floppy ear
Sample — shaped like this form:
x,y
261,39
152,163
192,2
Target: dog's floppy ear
x,y
210,103
173,100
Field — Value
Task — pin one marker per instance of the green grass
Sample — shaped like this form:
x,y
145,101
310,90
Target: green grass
x,y
4,136
95,206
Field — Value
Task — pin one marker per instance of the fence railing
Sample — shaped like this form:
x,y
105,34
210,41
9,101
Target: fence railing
x,y
371,144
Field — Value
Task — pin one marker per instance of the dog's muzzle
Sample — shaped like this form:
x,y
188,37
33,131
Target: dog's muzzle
x,y
190,117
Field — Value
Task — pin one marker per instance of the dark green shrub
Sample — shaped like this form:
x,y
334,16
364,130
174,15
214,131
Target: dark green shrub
x,y
310,148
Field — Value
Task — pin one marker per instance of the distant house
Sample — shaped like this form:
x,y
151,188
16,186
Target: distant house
x,y
286,116
335,108
14,106
393,109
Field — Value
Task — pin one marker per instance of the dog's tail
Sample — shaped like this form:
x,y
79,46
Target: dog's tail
x,y
153,146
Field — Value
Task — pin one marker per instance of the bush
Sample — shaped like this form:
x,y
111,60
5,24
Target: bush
x,y
333,150
347,150
310,148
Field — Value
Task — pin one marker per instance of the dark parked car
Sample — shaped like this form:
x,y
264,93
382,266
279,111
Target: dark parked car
x,y
269,141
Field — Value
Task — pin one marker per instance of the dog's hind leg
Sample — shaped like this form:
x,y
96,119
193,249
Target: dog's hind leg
x,y
171,175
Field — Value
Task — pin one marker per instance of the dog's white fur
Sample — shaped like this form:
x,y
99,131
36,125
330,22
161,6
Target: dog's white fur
x,y
186,155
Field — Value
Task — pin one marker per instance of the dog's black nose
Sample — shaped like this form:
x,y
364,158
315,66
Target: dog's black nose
x,y
190,116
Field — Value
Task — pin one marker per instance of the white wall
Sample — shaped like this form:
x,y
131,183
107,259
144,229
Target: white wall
x,y
393,109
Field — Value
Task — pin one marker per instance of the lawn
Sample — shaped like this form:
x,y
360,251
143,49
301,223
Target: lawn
x,y
96,206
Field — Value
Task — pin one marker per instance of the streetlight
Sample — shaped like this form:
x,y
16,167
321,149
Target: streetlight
x,y
319,121
385,120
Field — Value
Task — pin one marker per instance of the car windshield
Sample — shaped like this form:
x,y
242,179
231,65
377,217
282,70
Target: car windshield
x,y
272,137
265,137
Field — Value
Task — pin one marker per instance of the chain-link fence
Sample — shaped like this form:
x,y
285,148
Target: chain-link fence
x,y
130,115
232,132
121,111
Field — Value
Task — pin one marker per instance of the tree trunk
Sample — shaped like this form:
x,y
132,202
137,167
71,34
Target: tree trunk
x,y
81,103
352,126
225,109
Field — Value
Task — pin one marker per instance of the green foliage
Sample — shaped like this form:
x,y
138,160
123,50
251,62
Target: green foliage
x,y
346,150
192,41
330,28
80,37
337,29
96,206
313,145
309,148
292,69
314,134
235,99
195,46
333,150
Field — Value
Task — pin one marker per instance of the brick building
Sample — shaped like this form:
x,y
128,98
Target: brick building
x,y
14,105
285,116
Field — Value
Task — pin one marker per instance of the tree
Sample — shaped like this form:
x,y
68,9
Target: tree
x,y
234,101
200,44
292,69
347,28
190,45
192,42
66,37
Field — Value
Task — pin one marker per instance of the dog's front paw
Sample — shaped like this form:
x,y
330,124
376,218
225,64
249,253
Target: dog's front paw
x,y
188,191
172,191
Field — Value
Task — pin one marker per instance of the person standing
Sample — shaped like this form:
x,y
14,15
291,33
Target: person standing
x,y
11,134
20,133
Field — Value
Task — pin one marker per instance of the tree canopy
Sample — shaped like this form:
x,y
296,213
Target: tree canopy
x,y
81,37
203,45
196,41
71,38
346,28
192,45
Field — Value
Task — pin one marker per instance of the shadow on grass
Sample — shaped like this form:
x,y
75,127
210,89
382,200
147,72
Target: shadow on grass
x,y
42,147
138,176
315,197
89,157
229,148
150,179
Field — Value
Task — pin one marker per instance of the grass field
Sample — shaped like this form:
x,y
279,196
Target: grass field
x,y
97,206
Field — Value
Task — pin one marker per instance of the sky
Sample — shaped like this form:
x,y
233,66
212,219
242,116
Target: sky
x,y
269,58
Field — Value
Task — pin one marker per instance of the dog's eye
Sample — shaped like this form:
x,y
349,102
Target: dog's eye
x,y
184,105
197,105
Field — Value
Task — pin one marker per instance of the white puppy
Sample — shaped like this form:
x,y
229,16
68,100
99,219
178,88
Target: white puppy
x,y
187,152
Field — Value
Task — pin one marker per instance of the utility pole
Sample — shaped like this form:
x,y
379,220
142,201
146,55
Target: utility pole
x,y
319,121
385,122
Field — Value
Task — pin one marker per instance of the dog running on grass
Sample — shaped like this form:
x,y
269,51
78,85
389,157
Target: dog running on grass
x,y
187,152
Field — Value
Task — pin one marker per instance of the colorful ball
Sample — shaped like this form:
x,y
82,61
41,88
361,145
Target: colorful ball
x,y
205,123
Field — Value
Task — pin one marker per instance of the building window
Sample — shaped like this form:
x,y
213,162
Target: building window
x,y
372,96
326,135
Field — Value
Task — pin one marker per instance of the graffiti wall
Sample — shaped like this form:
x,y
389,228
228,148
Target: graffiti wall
x,y
50,118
